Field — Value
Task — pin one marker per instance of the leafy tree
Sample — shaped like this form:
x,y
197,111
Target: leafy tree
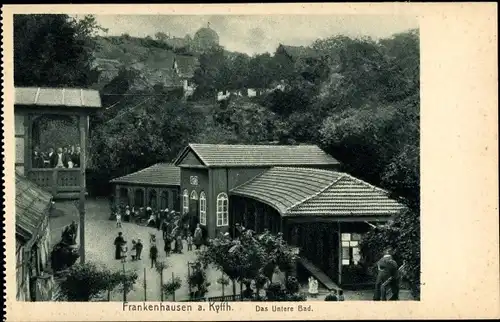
x,y
83,283
54,50
212,74
249,258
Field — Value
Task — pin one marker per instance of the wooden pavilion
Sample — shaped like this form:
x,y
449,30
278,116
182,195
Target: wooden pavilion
x,y
35,103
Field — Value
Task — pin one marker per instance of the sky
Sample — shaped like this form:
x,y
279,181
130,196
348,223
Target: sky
x,y
253,34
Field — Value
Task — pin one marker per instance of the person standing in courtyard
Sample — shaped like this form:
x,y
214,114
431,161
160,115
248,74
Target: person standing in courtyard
x,y
124,251
189,240
138,248
198,236
387,268
178,244
118,219
118,245
168,246
153,254
133,250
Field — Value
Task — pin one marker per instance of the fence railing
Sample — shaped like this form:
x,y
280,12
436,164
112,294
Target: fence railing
x,y
57,180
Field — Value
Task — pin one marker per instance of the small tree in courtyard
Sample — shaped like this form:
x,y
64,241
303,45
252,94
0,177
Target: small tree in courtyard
x,y
160,268
249,257
172,286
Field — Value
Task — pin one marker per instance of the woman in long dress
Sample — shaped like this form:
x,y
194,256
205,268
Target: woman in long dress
x,y
118,246
198,237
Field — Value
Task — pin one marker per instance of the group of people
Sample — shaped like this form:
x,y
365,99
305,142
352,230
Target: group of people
x,y
62,157
122,251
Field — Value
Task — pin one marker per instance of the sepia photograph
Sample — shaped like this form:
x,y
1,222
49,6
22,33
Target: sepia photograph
x,y
204,158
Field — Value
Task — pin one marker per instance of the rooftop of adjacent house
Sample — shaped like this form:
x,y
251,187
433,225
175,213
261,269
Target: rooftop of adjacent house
x,y
300,51
32,205
160,174
74,97
306,192
227,155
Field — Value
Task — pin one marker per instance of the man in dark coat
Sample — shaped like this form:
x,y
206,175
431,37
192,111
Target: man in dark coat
x,y
75,157
387,268
37,158
138,247
153,254
59,159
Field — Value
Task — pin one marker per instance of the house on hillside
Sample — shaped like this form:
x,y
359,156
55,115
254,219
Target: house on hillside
x,y
296,190
108,69
34,279
295,53
156,186
184,67
305,60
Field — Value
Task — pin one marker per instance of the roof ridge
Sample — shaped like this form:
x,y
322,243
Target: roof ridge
x,y
367,183
190,145
138,171
315,194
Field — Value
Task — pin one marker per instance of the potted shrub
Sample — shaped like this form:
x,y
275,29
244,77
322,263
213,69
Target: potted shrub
x,y
292,285
198,283
170,287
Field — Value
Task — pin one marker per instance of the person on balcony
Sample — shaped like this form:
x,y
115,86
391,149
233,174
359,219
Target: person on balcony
x,y
59,159
75,157
37,158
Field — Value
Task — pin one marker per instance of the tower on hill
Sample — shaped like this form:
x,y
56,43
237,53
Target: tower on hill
x,y
205,38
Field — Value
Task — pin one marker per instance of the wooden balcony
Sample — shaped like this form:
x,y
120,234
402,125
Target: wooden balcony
x,y
62,183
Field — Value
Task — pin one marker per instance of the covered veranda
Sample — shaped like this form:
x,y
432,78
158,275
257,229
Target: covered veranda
x,y
324,213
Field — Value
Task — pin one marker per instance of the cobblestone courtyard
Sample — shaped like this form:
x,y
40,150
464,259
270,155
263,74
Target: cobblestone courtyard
x,y
101,232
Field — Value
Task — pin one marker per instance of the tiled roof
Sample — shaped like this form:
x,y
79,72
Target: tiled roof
x,y
285,187
226,155
315,192
57,97
160,174
32,204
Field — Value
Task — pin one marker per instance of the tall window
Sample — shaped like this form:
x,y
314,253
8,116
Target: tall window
x,y
350,249
222,210
203,209
194,195
185,201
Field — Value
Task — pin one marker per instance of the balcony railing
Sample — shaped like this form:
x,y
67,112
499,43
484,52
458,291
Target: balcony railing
x,y
61,182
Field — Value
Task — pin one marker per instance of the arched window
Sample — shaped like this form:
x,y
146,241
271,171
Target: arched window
x,y
203,209
222,210
185,201
194,195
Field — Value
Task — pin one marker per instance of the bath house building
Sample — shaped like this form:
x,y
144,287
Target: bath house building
x,y
156,186
298,190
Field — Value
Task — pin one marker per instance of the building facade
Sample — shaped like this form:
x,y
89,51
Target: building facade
x,y
296,190
156,186
209,172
